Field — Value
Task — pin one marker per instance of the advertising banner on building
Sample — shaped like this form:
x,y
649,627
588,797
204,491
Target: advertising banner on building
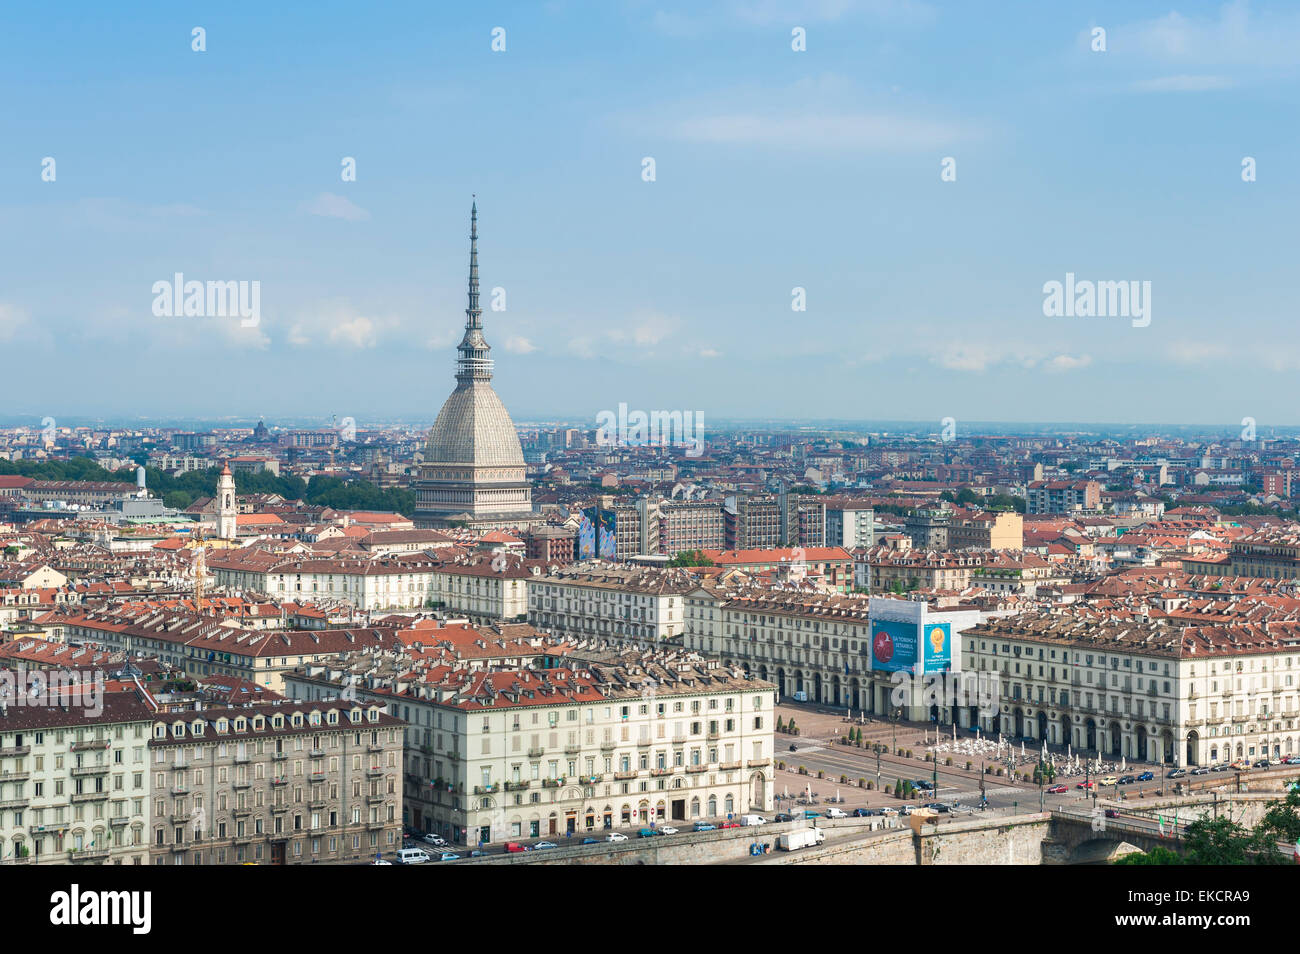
x,y
893,646
937,647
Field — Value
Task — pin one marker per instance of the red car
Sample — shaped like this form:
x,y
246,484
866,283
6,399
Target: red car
x,y
730,824
1057,790
1086,785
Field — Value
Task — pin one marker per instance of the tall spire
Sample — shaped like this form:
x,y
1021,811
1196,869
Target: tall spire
x,y
474,364
473,312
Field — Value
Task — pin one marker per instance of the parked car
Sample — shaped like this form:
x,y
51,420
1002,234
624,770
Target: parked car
x,y
380,861
1146,777
782,817
705,826
1086,785
939,807
836,813
924,784
1261,763
1112,813
864,812
1127,779
906,810
892,811
1177,773
809,813
448,856
1200,770
543,845
1108,780
1221,767
616,836
436,840
729,824
1057,790
513,847
667,830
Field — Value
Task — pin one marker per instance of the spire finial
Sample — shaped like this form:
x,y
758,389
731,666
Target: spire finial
x,y
474,363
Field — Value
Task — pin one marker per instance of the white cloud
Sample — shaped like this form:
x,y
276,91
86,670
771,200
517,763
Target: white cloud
x,y
1183,83
333,206
867,132
517,344
1235,35
582,347
827,112
12,320
339,324
710,353
1068,362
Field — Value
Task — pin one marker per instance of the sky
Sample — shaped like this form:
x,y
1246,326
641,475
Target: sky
x,y
828,169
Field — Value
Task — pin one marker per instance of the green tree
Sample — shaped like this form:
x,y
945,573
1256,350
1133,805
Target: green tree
x,y
690,558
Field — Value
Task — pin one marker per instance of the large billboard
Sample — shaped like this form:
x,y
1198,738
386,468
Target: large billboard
x,y
893,646
937,647
899,646
588,535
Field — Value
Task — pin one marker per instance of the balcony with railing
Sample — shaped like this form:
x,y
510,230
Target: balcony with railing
x,y
16,750
78,797
80,771
88,855
535,753
13,803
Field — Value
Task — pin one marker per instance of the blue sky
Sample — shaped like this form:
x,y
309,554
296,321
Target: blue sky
x,y
774,169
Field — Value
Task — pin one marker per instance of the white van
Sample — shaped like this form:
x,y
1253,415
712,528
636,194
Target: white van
x,y
412,856
753,820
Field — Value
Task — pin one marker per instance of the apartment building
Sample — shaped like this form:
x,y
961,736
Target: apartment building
x,y
74,784
889,570
815,647
280,784
832,567
987,531
1154,691
391,583
1063,496
529,753
690,525
928,528
850,524
604,600
207,646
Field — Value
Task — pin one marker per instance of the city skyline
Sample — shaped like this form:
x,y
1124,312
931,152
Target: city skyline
x,y
775,169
